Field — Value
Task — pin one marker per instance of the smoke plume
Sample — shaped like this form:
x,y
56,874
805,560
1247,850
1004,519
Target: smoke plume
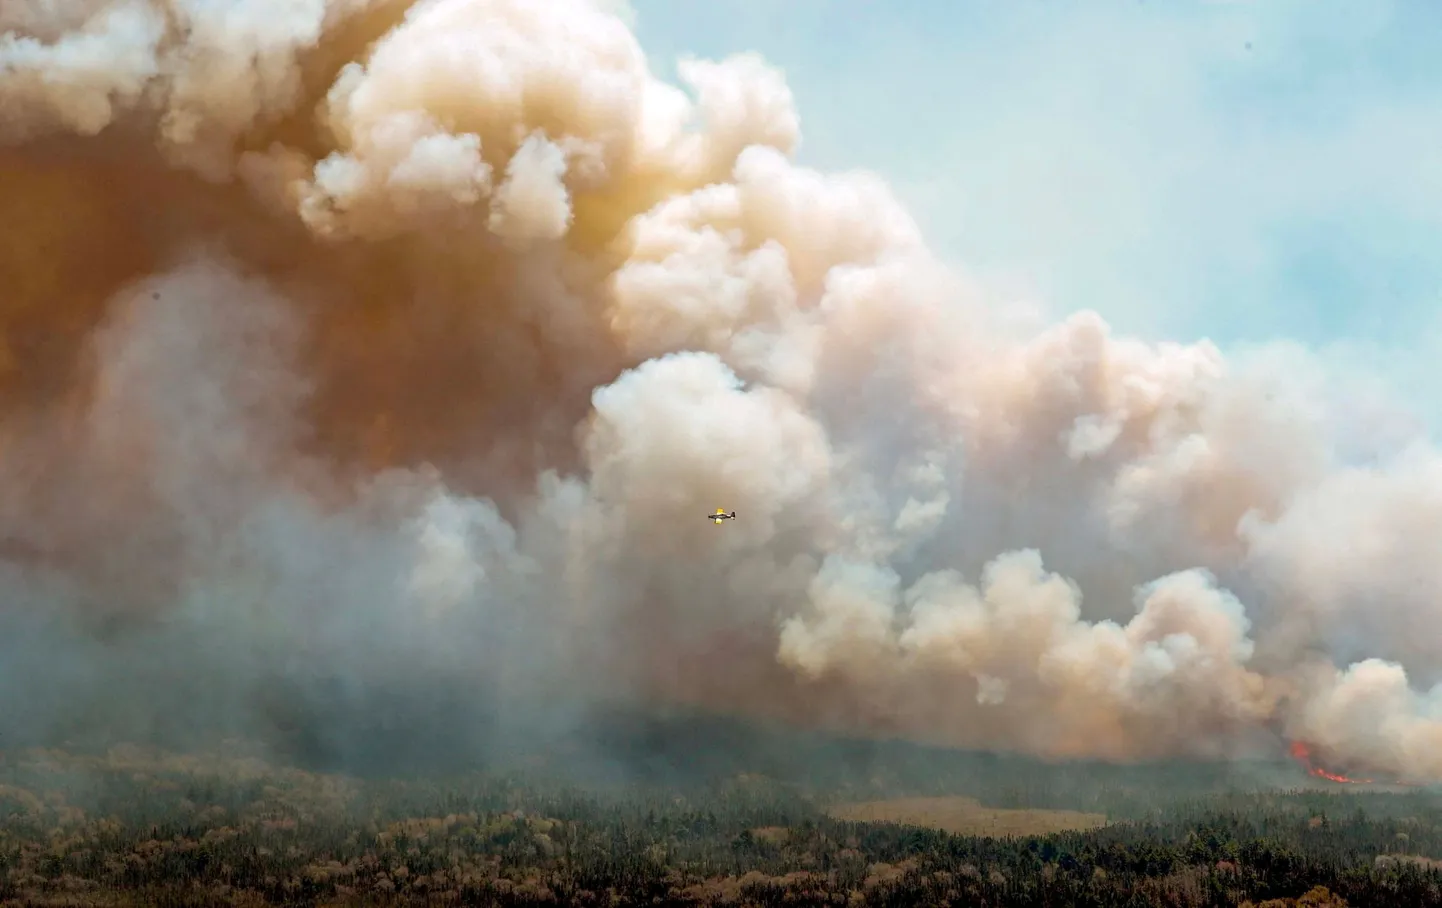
x,y
367,361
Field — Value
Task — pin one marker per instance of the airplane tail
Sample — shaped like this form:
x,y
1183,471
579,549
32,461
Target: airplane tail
x,y
733,514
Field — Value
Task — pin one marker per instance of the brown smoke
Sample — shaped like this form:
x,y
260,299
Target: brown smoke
x,y
371,343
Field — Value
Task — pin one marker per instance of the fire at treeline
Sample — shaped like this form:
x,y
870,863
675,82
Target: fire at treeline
x,y
1303,754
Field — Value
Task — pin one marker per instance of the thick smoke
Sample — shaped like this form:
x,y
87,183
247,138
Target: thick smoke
x,y
366,363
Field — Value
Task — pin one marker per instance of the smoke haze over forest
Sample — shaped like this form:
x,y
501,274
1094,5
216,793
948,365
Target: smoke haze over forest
x,y
373,364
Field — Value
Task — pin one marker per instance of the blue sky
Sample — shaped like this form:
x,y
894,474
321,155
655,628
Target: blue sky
x,y
1245,171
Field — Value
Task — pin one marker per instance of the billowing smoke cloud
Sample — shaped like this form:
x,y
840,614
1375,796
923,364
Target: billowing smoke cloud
x,y
367,361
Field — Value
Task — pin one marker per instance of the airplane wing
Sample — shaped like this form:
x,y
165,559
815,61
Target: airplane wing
x,y
720,510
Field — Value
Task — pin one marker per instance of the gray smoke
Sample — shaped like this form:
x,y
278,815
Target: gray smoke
x,y
375,363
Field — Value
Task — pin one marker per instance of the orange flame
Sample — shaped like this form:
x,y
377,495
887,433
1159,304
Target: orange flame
x,y
1302,753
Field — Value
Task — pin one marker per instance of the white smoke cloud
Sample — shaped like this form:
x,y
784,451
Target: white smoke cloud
x,y
485,320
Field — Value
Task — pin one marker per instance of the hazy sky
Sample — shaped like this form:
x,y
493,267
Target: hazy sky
x,y
1245,170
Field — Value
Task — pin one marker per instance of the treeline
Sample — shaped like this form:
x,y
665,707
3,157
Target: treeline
x,y
687,750
189,832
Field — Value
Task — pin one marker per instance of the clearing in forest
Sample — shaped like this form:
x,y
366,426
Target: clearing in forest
x,y
965,816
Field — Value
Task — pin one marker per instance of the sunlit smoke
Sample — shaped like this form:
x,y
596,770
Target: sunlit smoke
x,y
377,359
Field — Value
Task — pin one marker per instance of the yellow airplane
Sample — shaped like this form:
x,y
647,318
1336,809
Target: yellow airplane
x,y
720,515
